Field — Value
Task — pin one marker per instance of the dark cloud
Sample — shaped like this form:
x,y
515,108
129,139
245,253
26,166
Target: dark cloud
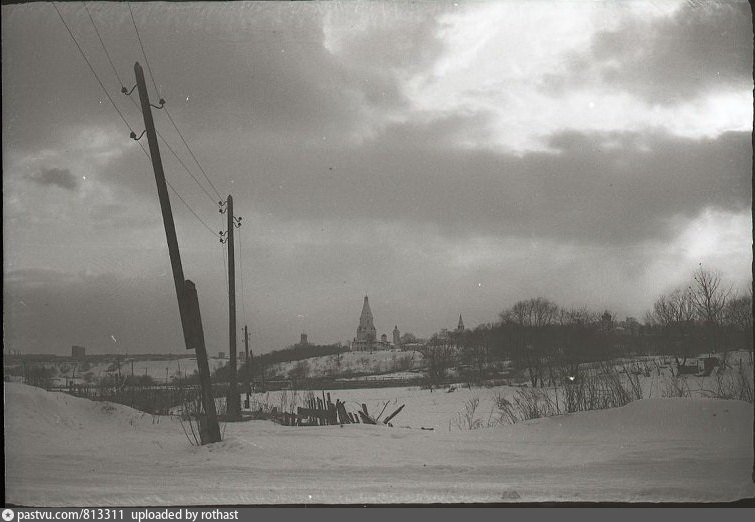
x,y
47,311
612,187
57,177
702,47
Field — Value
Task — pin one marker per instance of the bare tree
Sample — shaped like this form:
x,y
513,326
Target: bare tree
x,y
532,312
673,309
738,320
674,313
439,354
533,345
709,296
738,311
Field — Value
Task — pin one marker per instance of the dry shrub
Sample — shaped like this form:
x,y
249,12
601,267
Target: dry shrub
x,y
676,386
261,404
527,403
598,391
734,383
191,417
592,390
465,419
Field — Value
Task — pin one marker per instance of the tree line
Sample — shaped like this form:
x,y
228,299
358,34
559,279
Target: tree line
x,y
550,342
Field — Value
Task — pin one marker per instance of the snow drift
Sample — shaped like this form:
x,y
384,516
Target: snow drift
x,y
61,450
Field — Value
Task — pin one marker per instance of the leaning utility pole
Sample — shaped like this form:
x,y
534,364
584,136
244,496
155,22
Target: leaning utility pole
x,y
246,357
188,303
233,401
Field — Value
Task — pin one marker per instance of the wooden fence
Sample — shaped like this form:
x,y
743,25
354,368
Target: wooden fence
x,y
323,412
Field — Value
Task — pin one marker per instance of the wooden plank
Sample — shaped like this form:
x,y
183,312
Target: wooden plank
x,y
366,418
343,418
389,417
320,420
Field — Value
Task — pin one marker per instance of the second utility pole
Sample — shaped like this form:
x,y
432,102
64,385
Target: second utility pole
x,y
246,356
233,401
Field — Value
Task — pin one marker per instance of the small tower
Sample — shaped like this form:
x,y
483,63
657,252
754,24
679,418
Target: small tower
x,y
460,328
304,339
396,337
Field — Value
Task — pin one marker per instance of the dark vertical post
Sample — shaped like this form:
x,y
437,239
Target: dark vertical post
x,y
248,358
192,331
233,400
246,344
209,428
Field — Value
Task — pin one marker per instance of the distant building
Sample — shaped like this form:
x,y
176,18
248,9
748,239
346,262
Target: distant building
x,y
396,337
304,339
460,328
221,355
78,352
366,339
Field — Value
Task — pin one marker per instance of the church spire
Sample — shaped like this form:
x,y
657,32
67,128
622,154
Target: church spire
x,y
366,329
461,324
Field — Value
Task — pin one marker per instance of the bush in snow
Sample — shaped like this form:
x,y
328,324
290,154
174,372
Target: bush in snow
x,y
467,420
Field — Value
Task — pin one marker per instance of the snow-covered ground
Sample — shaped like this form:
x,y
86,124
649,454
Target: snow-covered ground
x,y
381,361
61,450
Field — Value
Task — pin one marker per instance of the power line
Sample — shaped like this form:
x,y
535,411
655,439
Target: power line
x,y
154,83
225,270
208,227
83,55
123,118
104,47
241,271
167,113
115,71
215,234
175,154
152,76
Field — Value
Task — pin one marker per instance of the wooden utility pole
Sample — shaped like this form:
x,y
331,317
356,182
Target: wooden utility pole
x,y
233,401
248,358
188,304
248,363
246,344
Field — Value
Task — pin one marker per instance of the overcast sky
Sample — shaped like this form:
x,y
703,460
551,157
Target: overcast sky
x,y
442,158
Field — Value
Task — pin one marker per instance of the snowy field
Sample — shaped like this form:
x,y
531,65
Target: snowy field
x,y
381,361
61,451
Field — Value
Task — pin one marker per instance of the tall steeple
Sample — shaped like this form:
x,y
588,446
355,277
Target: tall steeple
x,y
460,328
366,329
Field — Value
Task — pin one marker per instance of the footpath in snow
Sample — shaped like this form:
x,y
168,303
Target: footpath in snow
x,y
61,450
